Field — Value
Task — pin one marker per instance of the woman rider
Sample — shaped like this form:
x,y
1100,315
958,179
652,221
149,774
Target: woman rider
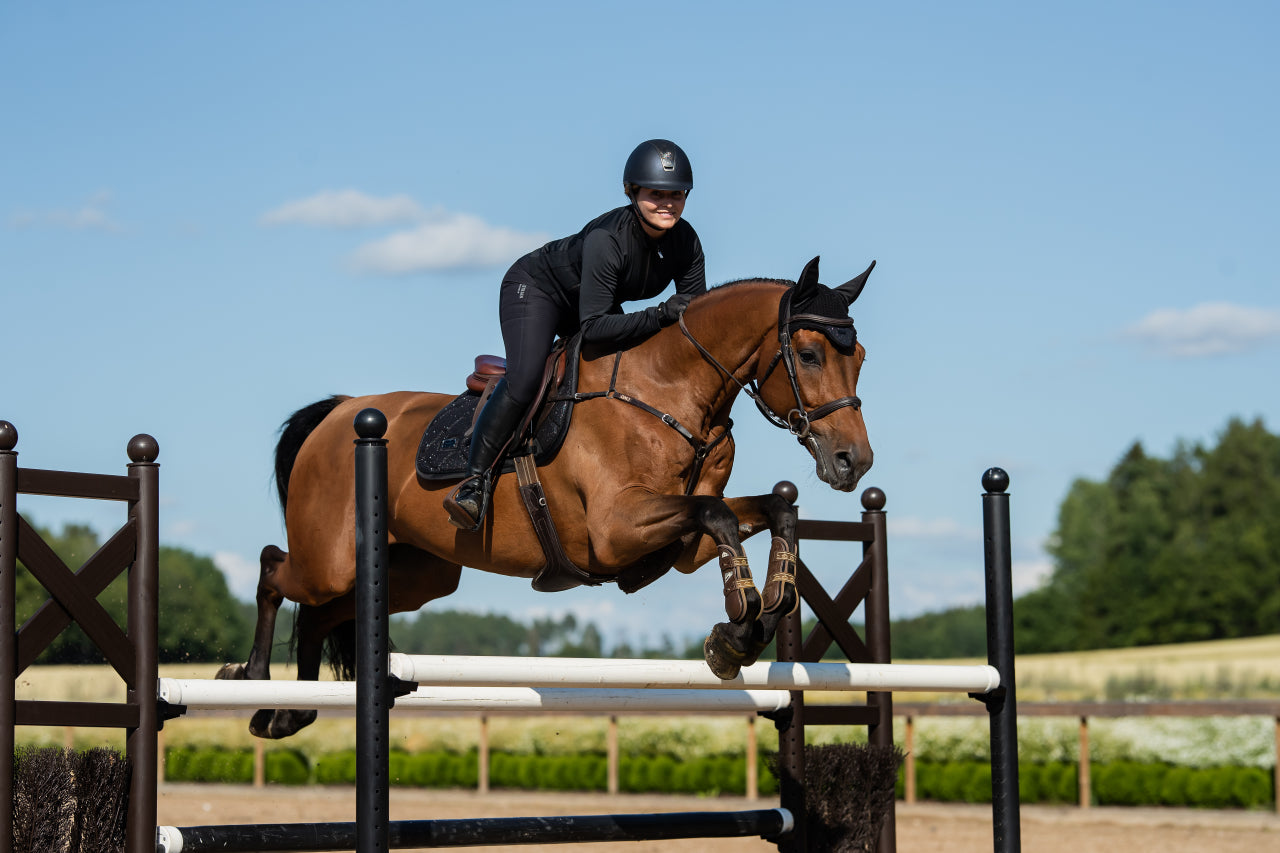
x,y
580,282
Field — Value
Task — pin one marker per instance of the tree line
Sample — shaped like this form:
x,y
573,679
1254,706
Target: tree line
x,y
1160,551
1172,550
1165,550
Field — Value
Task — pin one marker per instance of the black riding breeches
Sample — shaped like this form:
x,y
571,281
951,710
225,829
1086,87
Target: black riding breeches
x,y
530,319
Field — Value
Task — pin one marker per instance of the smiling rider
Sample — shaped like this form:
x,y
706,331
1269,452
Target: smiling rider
x,y
581,282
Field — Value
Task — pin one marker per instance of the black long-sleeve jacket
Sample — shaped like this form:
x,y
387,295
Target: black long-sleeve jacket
x,y
612,261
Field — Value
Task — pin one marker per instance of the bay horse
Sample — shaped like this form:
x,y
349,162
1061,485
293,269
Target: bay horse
x,y
634,489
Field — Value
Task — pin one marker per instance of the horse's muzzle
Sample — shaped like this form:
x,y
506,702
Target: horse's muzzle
x,y
843,468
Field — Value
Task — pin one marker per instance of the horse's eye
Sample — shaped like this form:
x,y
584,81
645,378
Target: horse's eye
x,y
808,356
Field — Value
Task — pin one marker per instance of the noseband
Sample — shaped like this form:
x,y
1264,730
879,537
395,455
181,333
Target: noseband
x,y
799,419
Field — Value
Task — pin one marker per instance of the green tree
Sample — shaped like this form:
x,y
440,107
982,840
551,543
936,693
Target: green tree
x,y
1165,551
456,632
958,632
199,618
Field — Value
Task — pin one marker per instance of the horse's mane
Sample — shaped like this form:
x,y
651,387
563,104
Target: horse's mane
x,y
736,282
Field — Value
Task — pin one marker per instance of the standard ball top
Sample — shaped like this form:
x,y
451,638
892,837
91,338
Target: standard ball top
x,y
143,448
786,490
371,423
8,436
873,499
995,480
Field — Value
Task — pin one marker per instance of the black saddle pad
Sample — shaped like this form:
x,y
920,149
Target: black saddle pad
x,y
443,451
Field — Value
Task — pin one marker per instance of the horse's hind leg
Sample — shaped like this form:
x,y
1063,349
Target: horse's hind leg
x,y
258,666
279,723
311,626
415,577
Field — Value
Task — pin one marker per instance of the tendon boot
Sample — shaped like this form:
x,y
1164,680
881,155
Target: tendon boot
x,y
469,502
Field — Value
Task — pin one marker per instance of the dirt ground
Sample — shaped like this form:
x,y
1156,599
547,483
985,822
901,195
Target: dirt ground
x,y
922,827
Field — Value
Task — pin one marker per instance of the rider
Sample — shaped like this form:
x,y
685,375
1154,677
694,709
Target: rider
x,y
580,282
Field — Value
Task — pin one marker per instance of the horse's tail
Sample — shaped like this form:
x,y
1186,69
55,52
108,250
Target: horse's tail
x,y
293,432
340,650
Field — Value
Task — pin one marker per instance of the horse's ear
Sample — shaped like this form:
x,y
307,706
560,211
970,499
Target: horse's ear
x,y
807,284
851,289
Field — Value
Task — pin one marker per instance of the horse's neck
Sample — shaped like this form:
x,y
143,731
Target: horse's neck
x,y
736,325
739,327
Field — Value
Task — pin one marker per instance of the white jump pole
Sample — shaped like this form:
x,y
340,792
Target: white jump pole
x,y
488,671
206,694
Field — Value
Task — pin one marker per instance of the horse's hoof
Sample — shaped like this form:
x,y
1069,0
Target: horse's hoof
x,y
723,659
231,672
279,723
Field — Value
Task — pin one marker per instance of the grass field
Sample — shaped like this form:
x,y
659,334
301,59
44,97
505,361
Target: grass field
x,y
1224,669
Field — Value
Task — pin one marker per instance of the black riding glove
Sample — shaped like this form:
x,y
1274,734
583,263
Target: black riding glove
x,y
670,311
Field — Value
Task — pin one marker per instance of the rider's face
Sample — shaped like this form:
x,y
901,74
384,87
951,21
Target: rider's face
x,y
660,209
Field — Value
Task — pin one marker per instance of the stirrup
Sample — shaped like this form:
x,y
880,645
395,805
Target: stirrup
x,y
459,517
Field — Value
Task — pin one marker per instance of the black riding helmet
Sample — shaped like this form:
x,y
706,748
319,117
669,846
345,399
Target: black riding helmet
x,y
658,164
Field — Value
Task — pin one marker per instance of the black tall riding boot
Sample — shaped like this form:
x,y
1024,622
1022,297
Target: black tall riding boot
x,y
494,428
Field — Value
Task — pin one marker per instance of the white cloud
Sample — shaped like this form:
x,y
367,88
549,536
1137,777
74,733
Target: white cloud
x,y
935,529
438,239
1212,328
1030,574
90,216
446,241
241,574
180,529
345,209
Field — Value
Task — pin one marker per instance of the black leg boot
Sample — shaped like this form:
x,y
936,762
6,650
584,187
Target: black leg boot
x,y
469,502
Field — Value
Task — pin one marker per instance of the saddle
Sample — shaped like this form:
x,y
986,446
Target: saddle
x,y
446,443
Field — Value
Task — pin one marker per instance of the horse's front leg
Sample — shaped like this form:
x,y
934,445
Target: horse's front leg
x,y
731,644
778,596
640,519
778,593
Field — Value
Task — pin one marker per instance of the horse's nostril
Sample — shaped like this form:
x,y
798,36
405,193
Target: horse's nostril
x,y
844,461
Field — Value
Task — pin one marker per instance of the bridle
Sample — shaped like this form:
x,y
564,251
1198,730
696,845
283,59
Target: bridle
x,y
799,419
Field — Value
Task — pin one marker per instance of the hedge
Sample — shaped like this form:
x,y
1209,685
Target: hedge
x,y
1120,783
657,773
214,764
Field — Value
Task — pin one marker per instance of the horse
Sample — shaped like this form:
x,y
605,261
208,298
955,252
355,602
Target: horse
x,y
636,488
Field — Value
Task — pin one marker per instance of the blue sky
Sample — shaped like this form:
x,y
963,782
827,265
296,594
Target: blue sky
x,y
212,215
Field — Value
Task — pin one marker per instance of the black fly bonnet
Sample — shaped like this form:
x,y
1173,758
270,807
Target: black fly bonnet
x,y
813,306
